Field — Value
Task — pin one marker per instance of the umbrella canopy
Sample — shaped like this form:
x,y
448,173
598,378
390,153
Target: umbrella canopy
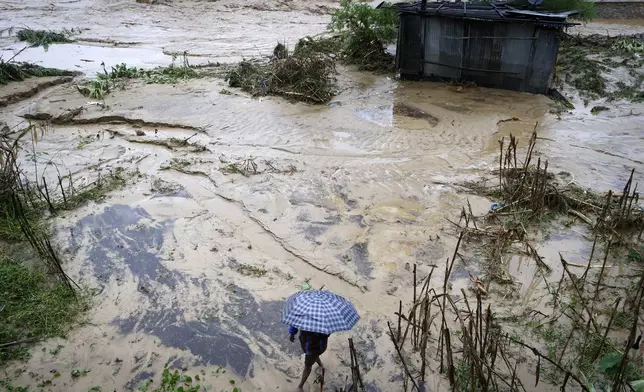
x,y
319,311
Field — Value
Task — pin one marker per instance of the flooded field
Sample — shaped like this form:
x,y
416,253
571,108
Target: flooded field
x,y
190,263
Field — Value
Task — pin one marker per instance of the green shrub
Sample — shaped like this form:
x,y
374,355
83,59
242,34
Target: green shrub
x,y
363,32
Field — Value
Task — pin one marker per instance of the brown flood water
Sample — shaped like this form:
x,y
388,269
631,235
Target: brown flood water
x,y
192,268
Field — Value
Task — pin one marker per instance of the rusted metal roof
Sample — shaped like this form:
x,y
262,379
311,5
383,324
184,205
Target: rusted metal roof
x,y
493,11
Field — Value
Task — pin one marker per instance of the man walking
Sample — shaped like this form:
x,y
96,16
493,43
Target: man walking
x,y
316,314
313,344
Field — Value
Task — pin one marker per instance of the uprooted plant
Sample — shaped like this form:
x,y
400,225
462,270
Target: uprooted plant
x,y
249,166
359,34
44,38
302,76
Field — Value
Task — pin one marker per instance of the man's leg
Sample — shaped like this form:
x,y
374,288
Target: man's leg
x,y
319,362
309,360
305,375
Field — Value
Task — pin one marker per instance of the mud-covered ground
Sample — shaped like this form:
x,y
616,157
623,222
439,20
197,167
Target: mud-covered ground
x,y
190,264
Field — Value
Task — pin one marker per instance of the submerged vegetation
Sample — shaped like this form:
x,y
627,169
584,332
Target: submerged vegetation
x,y
584,63
17,72
576,331
105,81
526,191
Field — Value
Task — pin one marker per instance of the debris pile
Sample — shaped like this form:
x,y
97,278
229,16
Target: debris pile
x,y
302,75
527,191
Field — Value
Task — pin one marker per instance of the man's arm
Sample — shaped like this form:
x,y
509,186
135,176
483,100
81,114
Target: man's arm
x,y
292,331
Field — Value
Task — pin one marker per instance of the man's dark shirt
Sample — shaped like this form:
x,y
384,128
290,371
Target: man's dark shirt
x,y
312,343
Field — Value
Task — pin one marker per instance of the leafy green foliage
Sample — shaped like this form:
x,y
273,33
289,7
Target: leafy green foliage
x,y
78,373
355,18
364,31
56,350
327,46
173,381
33,308
636,254
638,385
580,71
629,45
609,363
44,38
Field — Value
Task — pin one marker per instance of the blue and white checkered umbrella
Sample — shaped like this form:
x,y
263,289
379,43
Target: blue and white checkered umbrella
x,y
319,311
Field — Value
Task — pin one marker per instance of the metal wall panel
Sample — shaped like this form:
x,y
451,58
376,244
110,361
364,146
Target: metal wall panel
x,y
517,55
410,45
544,60
443,48
514,56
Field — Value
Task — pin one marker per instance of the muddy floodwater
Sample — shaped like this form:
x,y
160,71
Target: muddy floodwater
x,y
190,264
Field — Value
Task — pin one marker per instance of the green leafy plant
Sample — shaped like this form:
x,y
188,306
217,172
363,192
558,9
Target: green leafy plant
x,y
78,373
173,382
638,385
44,38
364,31
56,350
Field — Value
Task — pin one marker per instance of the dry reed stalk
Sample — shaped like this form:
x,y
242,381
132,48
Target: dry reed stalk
x,y
414,337
584,303
537,353
400,356
619,378
608,327
356,377
590,259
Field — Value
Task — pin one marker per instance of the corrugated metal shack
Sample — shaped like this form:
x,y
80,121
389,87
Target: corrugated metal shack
x,y
490,44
